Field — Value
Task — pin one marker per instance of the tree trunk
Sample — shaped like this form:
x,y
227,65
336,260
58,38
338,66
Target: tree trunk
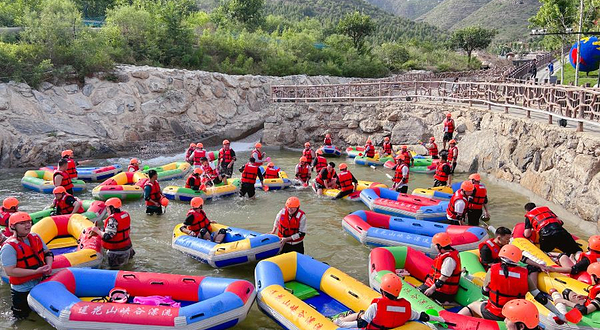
x,y
469,56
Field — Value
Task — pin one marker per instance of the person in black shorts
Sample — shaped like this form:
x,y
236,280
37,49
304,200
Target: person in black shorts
x,y
250,171
549,229
226,159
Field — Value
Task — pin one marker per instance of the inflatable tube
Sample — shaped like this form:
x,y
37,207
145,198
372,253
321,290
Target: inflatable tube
x,y
124,186
387,201
41,181
274,184
442,193
390,164
375,161
208,303
377,229
352,152
384,260
331,151
88,174
333,292
186,194
171,171
355,196
94,210
240,246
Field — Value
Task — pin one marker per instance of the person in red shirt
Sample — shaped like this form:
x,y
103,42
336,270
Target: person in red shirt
x,y
448,128
308,153
549,229
62,178
453,155
188,153
290,226
369,149
326,179
319,162
271,172
10,205
443,173
226,159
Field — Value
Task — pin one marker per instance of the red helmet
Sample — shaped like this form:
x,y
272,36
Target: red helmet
x,y
196,202
475,176
198,170
303,159
387,138
319,151
192,145
391,284
443,239
593,269
199,145
114,202
511,253
467,186
453,141
307,144
271,164
343,166
432,139
521,310
448,115
10,202
134,161
327,135
164,201
593,242
258,145
292,202
18,217
59,190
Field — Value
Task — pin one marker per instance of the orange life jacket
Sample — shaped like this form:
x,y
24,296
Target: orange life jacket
x,y
328,176
4,216
193,181
209,172
320,164
506,283
66,179
28,256
271,173
308,154
387,148
479,194
345,179
451,284
327,141
155,193
406,157
593,293
289,226
591,255
451,156
258,156
440,175
433,150
225,156
188,153
63,208
369,151
540,217
495,248
303,172
71,168
250,173
133,168
398,177
449,125
121,240
200,221
199,153
450,212
390,314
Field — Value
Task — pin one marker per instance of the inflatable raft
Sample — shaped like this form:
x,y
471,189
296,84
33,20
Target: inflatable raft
x,y
41,181
443,193
331,151
353,152
387,201
94,210
384,260
125,186
206,302
171,171
93,173
301,293
186,194
375,161
377,229
355,196
275,184
239,246
426,169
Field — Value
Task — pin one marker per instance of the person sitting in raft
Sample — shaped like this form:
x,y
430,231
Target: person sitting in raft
x,y
387,312
327,140
194,181
271,172
459,204
585,304
443,172
10,205
226,160
290,226
504,282
326,179
549,228
115,236
401,176
369,149
387,149
303,171
432,148
308,153
65,203
521,314
198,153
259,156
477,208
319,162
188,153
448,128
408,159
453,155
249,174
197,224
61,177
134,165
441,283
210,175
579,262
26,260
346,182
153,194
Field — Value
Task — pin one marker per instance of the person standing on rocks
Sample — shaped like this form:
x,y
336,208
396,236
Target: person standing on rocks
x,y
346,182
153,194
61,177
453,154
290,226
226,159
448,129
443,172
546,225
250,171
478,203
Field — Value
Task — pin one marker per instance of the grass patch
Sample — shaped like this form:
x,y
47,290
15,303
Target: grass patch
x,y
592,78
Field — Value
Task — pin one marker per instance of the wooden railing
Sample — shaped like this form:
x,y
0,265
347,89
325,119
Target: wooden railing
x,y
581,105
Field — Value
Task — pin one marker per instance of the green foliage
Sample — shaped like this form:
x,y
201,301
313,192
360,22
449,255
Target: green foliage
x,y
357,26
23,63
13,11
555,16
471,38
246,12
94,8
393,56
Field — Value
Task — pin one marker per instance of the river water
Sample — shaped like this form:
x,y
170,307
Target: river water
x,y
325,240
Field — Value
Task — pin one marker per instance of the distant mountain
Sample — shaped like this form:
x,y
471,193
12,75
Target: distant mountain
x,y
411,9
450,12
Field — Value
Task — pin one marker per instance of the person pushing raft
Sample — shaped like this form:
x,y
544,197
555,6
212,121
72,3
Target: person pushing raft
x,y
290,226
115,235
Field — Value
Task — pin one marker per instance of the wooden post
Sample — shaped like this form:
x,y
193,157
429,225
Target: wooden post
x,y
528,114
550,119
579,126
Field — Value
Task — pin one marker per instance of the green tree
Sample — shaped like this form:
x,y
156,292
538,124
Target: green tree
x,y
13,11
357,26
393,55
132,32
94,9
175,37
247,12
472,38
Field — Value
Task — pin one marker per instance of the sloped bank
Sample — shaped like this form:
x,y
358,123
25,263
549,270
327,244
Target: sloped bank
x,y
554,163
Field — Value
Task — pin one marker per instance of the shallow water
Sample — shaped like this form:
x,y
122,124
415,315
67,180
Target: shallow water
x,y
325,240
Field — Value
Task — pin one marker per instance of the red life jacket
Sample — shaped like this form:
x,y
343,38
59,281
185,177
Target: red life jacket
x,y
328,176
63,208
199,153
440,175
250,173
406,157
72,168
225,156
66,179
345,179
387,148
398,174
133,168
200,221
320,164
271,173
155,193
390,314
495,248
591,255
188,153
449,126
308,154
450,212
209,172
369,151
303,172
121,240
4,216
433,150
506,286
289,226
593,293
479,194
193,181
28,256
258,156
451,284
327,141
540,217
451,157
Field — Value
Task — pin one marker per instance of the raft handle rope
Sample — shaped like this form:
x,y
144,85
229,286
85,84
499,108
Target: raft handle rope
x,y
353,294
189,280
335,277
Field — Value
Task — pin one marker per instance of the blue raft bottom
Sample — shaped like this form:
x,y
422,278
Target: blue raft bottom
x,y
326,305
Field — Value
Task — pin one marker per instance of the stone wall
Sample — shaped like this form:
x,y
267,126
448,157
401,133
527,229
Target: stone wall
x,y
556,164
